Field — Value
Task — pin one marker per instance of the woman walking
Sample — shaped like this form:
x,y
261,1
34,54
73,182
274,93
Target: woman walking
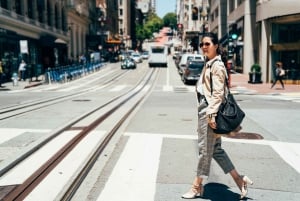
x,y
279,73
209,100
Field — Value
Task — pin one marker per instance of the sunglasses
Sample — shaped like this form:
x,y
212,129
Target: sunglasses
x,y
204,44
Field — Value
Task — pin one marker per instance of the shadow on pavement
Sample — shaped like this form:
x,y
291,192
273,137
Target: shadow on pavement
x,y
220,192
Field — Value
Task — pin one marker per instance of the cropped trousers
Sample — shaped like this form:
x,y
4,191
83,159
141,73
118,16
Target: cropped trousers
x,y
209,146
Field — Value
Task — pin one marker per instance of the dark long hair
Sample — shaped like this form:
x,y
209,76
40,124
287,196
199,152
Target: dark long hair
x,y
215,41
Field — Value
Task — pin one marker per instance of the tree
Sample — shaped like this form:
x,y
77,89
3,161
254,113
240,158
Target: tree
x,y
169,20
153,24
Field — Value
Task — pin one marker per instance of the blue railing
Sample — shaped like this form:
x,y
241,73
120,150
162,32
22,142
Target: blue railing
x,y
67,73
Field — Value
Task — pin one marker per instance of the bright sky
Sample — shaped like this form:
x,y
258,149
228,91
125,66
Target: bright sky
x,y
165,6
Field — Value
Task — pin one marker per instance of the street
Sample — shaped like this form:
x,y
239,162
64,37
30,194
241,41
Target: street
x,y
156,155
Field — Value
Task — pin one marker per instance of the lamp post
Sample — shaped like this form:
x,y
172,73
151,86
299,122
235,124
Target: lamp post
x,y
101,20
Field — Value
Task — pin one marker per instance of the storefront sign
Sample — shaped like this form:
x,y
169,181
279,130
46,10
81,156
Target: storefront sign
x,y
24,46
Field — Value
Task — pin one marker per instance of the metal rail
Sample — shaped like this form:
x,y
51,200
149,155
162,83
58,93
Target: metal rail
x,y
21,191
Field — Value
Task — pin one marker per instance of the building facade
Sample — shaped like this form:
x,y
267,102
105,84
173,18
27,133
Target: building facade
x,y
267,32
35,31
44,33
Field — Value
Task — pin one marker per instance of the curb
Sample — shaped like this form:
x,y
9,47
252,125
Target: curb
x,y
33,85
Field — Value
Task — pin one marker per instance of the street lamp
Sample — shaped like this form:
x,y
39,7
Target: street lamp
x,y
102,20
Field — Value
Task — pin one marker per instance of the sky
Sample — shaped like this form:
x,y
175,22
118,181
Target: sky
x,y
165,6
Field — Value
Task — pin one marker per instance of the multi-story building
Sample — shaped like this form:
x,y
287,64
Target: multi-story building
x,y
44,33
192,15
267,31
35,31
81,19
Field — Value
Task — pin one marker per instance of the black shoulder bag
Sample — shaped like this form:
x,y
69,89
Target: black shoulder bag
x,y
229,115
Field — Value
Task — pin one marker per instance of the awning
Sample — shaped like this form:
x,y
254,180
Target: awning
x,y
114,41
60,41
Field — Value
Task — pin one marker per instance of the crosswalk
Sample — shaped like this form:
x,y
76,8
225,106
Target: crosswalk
x,y
135,173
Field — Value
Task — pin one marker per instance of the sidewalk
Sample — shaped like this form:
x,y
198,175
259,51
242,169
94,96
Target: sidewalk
x,y
8,86
240,85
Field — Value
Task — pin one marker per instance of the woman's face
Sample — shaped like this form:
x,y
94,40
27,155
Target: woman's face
x,y
208,48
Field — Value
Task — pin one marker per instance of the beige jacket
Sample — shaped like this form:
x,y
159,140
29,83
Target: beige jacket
x,y
218,76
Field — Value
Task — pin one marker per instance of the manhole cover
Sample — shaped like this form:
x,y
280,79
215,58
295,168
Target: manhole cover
x,y
181,89
186,119
81,100
245,135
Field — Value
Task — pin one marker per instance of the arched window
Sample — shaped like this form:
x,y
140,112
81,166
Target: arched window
x,y
3,4
48,13
18,6
40,7
56,16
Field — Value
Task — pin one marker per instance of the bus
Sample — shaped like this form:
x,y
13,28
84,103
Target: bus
x,y
158,56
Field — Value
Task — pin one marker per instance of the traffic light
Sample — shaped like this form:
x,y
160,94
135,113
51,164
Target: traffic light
x,y
180,26
233,32
230,48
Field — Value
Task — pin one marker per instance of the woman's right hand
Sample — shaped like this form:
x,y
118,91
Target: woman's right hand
x,y
212,122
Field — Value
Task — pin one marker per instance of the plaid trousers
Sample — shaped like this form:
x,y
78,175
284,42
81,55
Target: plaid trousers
x,y
209,146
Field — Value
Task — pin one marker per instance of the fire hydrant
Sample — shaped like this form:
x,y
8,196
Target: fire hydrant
x,y
15,79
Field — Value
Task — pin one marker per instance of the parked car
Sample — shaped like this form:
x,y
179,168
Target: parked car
x,y
145,55
192,71
185,58
128,63
137,57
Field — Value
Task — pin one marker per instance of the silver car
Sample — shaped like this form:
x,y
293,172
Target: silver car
x,y
187,57
192,71
136,57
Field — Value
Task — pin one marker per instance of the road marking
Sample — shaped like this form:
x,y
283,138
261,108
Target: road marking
x,y
59,177
118,88
134,176
20,173
9,133
289,152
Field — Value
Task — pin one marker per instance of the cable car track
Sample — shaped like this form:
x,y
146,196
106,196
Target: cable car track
x,y
13,111
139,92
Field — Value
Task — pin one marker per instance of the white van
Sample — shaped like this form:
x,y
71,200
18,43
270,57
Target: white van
x,y
158,56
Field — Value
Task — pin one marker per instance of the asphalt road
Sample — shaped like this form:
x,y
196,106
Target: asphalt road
x,y
155,159
162,134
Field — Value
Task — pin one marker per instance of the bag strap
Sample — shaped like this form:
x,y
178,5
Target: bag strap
x,y
211,81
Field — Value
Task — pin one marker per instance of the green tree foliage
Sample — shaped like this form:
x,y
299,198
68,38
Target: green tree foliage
x,y
169,20
153,24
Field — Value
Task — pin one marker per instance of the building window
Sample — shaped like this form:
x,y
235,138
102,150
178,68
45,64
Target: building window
x,y
239,2
121,2
231,5
121,12
3,4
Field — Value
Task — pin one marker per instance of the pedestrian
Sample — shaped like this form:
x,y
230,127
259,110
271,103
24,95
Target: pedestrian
x,y
279,73
1,73
209,143
22,69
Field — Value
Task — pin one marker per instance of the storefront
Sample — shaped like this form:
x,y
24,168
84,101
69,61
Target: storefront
x,y
286,48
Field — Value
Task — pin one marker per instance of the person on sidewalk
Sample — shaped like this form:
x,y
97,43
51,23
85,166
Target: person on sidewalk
x,y
279,73
210,143
22,69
